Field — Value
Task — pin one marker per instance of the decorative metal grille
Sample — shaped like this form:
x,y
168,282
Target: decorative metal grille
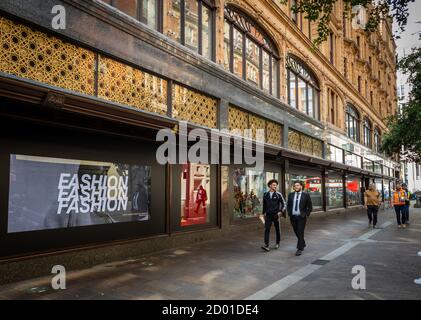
x,y
237,119
294,140
306,144
192,106
317,148
126,85
273,133
34,55
257,123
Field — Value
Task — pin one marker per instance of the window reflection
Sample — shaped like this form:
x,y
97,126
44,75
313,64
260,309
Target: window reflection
x,y
206,32
249,187
353,190
334,190
238,53
312,184
195,194
303,92
262,71
252,62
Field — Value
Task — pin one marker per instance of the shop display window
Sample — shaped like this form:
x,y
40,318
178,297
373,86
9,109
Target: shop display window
x,y
195,194
249,187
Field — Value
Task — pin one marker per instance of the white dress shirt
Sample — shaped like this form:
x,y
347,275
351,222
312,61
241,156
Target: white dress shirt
x,y
296,209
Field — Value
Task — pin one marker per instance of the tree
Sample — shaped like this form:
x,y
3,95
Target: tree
x,y
320,11
405,127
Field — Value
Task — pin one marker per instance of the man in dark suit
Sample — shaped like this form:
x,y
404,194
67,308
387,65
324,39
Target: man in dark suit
x,y
299,207
273,206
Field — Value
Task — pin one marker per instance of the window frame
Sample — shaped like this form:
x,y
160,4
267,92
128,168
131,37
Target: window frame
x,y
367,130
352,116
267,46
159,9
304,73
212,10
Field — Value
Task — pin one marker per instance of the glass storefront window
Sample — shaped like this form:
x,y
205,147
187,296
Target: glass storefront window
x,y
377,167
368,165
379,185
312,182
334,190
353,190
386,190
335,154
195,194
351,159
249,187
53,193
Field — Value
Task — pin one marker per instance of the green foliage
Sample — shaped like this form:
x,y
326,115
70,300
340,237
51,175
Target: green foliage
x,y
405,128
320,11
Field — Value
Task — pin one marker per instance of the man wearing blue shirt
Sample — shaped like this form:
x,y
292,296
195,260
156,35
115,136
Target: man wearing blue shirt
x,y
299,207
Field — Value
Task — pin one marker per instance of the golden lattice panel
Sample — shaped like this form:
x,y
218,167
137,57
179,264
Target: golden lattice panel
x,y
126,85
294,140
237,119
306,144
257,123
193,107
34,55
318,148
273,133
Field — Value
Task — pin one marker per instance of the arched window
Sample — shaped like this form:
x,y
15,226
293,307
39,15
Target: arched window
x,y
367,132
303,87
249,52
192,23
377,139
352,122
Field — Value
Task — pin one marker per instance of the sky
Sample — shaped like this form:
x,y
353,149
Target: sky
x,y
408,38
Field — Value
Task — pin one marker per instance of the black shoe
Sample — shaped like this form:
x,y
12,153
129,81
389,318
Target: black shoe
x,y
299,252
265,247
277,246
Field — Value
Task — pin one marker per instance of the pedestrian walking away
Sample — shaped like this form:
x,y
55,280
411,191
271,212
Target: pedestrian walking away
x,y
398,202
273,208
372,204
299,207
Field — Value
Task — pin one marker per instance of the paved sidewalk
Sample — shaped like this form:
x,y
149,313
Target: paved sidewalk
x,y
236,267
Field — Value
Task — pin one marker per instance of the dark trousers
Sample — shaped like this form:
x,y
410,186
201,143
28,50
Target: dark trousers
x,y
400,214
299,224
406,212
372,214
269,219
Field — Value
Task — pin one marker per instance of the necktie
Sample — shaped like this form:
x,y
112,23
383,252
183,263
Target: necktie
x,y
296,202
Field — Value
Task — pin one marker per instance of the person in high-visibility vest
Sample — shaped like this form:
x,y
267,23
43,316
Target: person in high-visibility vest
x,y
399,198
407,203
